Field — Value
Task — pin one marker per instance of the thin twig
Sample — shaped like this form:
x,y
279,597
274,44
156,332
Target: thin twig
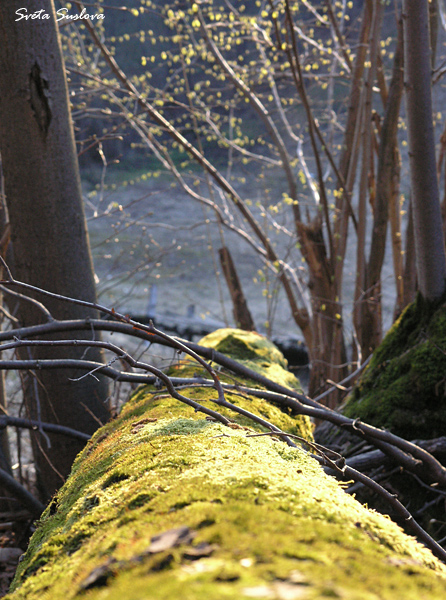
x,y
150,329
49,317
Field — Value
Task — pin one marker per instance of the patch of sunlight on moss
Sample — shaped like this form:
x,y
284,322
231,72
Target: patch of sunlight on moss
x,y
244,345
177,427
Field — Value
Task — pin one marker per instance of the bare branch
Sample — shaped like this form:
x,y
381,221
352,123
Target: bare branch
x,y
8,482
6,421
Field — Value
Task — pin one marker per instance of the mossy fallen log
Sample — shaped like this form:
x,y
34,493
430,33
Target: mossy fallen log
x,y
163,504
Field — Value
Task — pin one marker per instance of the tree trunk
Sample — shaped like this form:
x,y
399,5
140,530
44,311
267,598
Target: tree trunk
x,y
327,353
385,205
350,154
410,275
242,315
367,305
48,227
428,233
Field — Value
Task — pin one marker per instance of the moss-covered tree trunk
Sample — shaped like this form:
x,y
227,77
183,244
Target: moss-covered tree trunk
x,y
164,503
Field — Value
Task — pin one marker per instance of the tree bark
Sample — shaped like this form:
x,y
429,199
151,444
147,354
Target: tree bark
x,y
48,227
367,305
242,315
328,353
410,276
428,233
385,206
350,154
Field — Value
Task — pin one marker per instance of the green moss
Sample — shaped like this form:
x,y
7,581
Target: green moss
x,y
263,520
269,513
254,351
404,387
239,345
